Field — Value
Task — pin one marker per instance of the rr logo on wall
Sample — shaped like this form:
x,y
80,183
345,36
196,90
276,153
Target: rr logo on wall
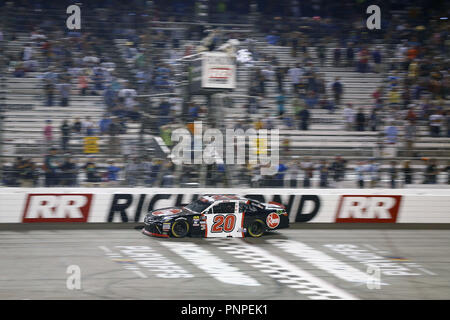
x,y
57,207
368,208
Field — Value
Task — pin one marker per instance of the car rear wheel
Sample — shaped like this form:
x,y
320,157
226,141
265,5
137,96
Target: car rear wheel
x,y
256,229
180,228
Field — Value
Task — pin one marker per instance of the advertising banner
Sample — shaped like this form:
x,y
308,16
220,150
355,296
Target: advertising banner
x,y
33,205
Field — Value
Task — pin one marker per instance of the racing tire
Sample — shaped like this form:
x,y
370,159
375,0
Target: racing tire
x,y
256,229
180,228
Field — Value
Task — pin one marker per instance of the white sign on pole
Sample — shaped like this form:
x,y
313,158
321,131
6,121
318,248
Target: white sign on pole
x,y
218,70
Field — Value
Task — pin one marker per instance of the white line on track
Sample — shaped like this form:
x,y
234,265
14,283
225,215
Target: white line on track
x,y
140,274
323,261
428,271
211,264
371,247
105,249
283,271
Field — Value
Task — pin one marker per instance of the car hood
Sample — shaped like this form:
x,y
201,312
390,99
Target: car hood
x,y
170,211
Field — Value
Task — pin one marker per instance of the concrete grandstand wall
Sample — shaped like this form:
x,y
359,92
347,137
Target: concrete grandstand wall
x,y
89,205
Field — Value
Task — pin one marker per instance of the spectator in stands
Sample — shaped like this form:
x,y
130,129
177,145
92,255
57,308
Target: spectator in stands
x,y
308,170
373,169
280,74
293,173
436,120
273,38
114,141
29,174
393,174
280,102
311,100
337,169
374,120
268,122
112,173
49,89
77,126
338,90
297,106
88,127
104,123
407,172
83,83
410,137
48,133
278,179
193,112
431,172
64,91
363,63
394,98
92,173
321,54
168,178
19,70
327,104
69,172
337,57
360,171
27,52
65,135
17,172
376,56
360,120
261,80
411,115
391,133
323,174
350,54
155,172
51,168
295,73
349,115
378,97
304,115
12,175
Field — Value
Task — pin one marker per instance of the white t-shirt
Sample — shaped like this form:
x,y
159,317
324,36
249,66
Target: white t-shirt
x,y
295,74
349,115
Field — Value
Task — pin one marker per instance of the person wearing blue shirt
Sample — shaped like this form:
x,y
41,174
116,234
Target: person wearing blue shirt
x,y
391,134
279,177
272,39
104,124
113,171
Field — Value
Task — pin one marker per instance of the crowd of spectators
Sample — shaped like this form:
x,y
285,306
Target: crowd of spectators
x,y
410,51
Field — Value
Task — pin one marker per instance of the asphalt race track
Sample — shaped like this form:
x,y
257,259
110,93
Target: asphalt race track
x,y
288,264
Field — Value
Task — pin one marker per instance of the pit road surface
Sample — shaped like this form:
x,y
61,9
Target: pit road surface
x,y
288,264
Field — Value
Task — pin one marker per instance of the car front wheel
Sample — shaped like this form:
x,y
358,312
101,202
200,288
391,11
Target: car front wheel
x,y
180,228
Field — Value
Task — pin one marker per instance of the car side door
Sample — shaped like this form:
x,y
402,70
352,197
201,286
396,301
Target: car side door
x,y
224,220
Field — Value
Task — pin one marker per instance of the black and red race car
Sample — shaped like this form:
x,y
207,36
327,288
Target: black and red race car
x,y
217,216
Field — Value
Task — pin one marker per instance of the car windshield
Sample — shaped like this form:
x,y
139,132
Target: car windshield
x,y
197,205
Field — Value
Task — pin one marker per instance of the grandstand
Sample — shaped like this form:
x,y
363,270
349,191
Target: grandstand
x,y
158,43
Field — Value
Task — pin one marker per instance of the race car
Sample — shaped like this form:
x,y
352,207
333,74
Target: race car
x,y
217,216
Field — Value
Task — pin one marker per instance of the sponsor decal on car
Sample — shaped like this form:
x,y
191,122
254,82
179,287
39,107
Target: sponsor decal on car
x,y
273,220
368,208
58,207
